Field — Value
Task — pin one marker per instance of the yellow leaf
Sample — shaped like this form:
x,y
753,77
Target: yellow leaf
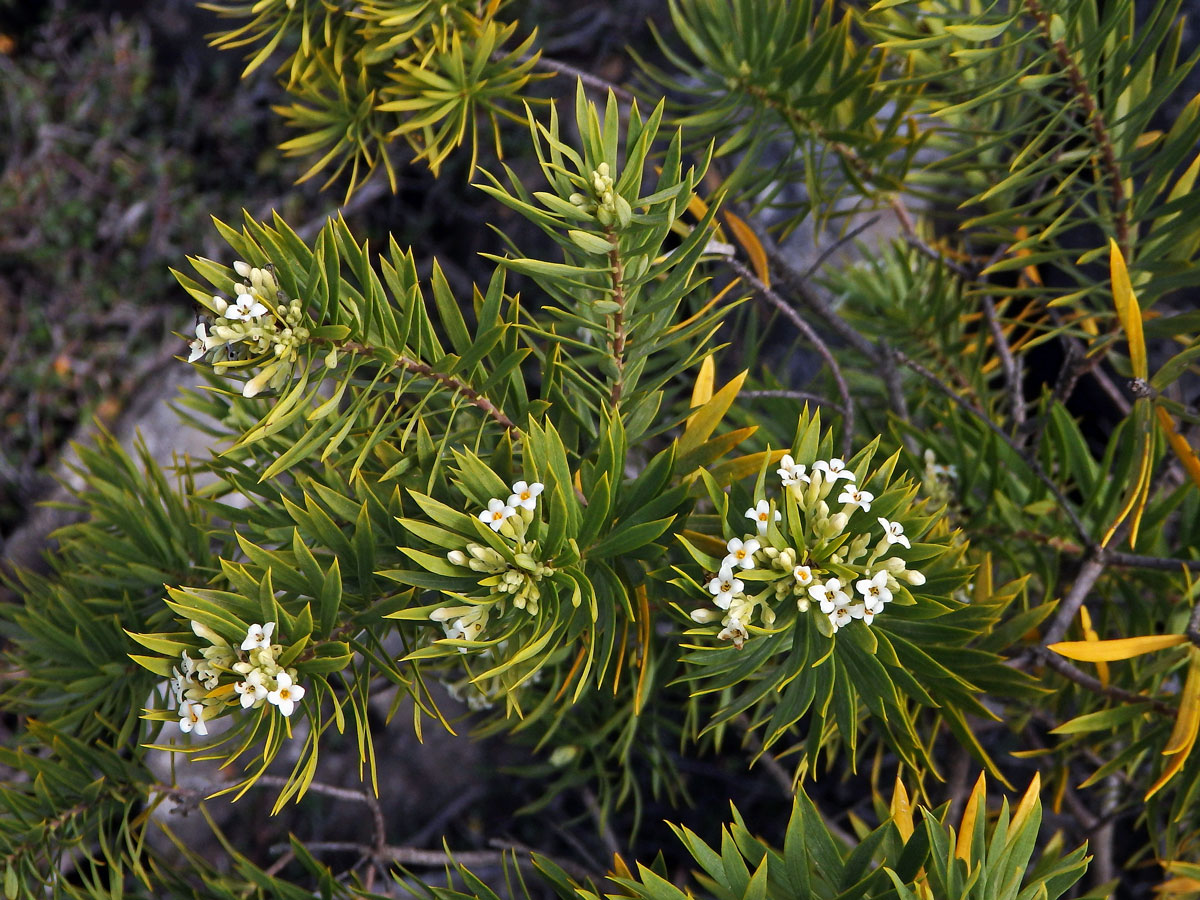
x,y
1187,723
702,390
704,422
706,542
1180,885
966,828
1146,138
736,469
744,235
1140,494
1179,444
1120,648
1025,807
901,810
1128,310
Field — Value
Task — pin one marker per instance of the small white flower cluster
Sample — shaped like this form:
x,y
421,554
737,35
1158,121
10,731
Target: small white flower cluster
x,y
514,579
197,687
605,203
261,325
777,569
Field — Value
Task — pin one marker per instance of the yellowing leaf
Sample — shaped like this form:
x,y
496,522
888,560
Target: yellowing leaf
x,y
1139,495
1187,723
1179,444
901,810
966,828
1128,310
1179,885
1025,807
744,235
704,422
702,390
1120,648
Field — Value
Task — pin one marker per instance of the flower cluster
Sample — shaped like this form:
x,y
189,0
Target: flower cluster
x,y
510,577
608,206
844,572
203,687
262,326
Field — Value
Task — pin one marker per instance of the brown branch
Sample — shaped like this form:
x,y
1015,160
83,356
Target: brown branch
x,y
595,82
813,338
1065,614
1083,679
1008,364
815,399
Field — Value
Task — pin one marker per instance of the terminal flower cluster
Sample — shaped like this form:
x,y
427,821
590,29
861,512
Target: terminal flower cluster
x,y
833,562
509,577
262,326
602,200
226,676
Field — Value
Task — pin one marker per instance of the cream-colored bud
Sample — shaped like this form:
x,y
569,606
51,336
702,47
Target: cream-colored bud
x,y
914,577
242,268
209,635
893,564
220,304
704,615
562,756
457,557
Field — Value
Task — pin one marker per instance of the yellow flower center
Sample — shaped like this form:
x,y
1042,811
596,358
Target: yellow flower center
x,y
762,517
285,694
524,495
497,516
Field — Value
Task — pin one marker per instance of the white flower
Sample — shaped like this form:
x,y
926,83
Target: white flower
x,y
840,617
804,575
790,473
734,631
741,553
874,590
467,625
830,595
246,307
724,586
525,495
495,514
200,345
191,718
862,611
258,637
854,497
894,532
285,694
761,514
252,689
833,469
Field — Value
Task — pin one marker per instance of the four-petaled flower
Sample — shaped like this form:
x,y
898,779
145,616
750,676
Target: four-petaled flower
x,y
246,307
495,514
790,473
741,553
258,637
191,718
874,591
525,495
724,586
855,497
761,514
804,575
833,469
200,345
830,595
286,694
894,532
841,616
252,689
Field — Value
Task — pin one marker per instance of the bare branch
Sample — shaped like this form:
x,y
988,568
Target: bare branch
x,y
813,338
